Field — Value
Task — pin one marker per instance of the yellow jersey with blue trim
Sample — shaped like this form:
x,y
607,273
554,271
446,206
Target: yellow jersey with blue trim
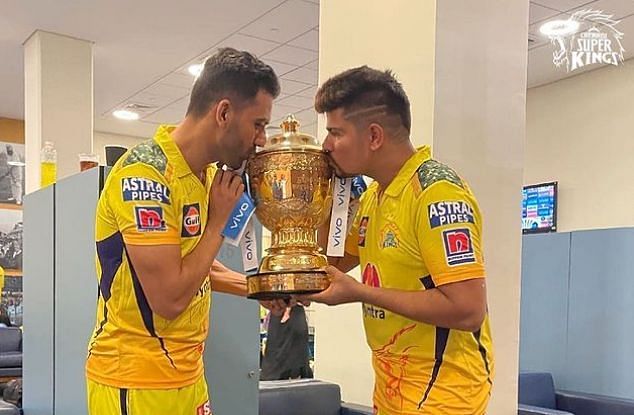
x,y
151,197
423,231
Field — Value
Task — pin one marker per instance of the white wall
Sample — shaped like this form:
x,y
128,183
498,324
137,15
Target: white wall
x,y
580,133
101,139
479,129
58,101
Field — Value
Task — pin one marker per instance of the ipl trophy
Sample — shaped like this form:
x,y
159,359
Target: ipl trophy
x,y
291,183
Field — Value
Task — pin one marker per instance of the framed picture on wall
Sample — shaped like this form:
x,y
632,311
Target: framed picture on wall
x,y
11,172
11,239
11,261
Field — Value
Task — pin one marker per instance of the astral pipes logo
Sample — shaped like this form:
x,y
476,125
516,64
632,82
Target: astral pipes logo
x,y
588,37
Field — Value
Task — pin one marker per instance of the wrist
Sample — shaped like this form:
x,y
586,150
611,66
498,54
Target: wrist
x,y
362,293
214,227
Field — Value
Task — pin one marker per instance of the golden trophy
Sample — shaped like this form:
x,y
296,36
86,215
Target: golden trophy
x,y
291,183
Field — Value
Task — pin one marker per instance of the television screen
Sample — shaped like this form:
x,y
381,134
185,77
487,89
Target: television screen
x,y
539,208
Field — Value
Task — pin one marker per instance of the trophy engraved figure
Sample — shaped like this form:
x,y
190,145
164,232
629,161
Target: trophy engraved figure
x,y
291,183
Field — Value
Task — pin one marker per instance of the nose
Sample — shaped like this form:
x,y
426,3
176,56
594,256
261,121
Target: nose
x,y
327,145
260,139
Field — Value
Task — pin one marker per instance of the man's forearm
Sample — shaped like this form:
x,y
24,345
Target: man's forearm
x,y
227,281
195,265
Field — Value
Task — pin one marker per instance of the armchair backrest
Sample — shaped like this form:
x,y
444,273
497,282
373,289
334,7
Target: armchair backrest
x,y
537,389
10,339
299,397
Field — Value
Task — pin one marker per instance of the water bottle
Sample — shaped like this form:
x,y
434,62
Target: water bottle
x,y
48,164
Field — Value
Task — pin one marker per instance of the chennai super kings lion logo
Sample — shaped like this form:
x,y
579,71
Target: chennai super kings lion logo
x,y
597,41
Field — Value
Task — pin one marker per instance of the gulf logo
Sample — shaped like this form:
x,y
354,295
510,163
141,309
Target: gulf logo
x,y
191,220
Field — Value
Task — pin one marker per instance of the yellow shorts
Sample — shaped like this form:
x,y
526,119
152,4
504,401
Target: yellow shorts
x,y
108,400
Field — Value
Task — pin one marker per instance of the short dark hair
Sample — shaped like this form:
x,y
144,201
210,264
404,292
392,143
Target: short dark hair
x,y
362,90
233,74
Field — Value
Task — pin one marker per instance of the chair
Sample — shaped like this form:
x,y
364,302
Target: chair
x,y
10,352
537,396
305,397
8,409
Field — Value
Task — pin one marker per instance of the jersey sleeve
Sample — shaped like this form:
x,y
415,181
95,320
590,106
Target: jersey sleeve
x,y
449,229
141,204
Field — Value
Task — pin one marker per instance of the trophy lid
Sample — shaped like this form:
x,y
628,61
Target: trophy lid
x,y
290,138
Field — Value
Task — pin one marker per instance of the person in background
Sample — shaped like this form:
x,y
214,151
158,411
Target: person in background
x,y
1,283
16,167
5,319
286,352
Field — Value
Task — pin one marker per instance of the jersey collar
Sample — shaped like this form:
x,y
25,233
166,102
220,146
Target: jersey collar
x,y
164,138
408,169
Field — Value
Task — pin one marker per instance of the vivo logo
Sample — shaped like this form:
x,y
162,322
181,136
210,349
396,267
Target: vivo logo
x,y
248,245
358,187
341,191
338,231
235,221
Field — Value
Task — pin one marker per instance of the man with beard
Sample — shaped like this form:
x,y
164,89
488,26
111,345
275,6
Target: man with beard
x,y
158,229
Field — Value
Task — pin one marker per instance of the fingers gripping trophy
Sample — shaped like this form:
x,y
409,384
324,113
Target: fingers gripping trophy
x,y
291,183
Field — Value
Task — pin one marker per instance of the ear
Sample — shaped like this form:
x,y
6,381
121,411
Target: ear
x,y
223,112
377,136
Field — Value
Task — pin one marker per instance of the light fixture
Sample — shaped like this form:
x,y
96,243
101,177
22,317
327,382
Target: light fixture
x,y
16,163
195,69
559,27
126,115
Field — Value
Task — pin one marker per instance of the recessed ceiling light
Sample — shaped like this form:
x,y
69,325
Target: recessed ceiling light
x,y
126,115
195,69
559,27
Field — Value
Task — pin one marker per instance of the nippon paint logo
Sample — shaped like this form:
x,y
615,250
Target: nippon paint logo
x,y
588,37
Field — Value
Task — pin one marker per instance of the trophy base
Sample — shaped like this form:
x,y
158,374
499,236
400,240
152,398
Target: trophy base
x,y
281,285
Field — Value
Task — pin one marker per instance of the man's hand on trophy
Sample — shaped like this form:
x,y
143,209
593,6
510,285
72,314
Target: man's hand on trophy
x,y
226,189
343,289
276,307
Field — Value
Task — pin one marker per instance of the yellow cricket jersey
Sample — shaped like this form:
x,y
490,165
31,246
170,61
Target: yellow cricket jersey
x,y
1,281
422,232
151,197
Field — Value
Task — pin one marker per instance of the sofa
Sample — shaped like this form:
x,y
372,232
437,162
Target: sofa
x,y
8,409
305,397
10,352
537,396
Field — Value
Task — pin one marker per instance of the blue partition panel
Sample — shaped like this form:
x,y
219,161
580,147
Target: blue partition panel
x,y
38,366
232,353
544,306
75,286
601,322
